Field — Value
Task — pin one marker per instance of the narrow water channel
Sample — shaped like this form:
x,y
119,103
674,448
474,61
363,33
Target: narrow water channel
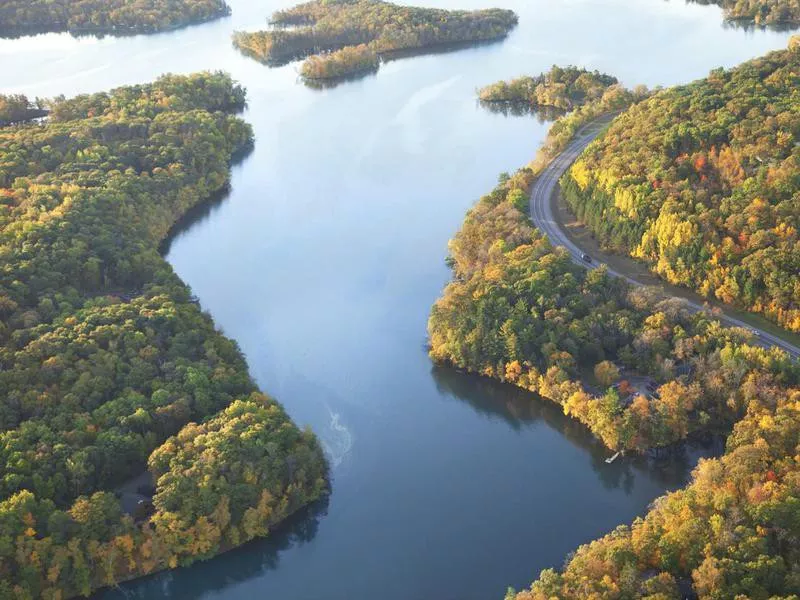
x,y
323,261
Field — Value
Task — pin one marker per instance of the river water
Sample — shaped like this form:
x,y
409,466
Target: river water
x,y
323,262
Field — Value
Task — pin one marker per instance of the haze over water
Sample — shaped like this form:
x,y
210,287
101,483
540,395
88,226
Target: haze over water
x,y
323,263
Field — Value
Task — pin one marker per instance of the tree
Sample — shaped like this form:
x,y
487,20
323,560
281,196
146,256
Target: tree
x,y
606,372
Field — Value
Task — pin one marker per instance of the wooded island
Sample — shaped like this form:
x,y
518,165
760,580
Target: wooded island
x,y
563,88
346,37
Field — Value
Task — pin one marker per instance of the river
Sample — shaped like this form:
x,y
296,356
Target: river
x,y
323,262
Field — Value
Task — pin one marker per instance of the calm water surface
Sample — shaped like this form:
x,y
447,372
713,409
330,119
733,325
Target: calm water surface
x,y
323,262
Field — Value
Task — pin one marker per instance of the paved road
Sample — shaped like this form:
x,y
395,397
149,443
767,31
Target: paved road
x,y
542,215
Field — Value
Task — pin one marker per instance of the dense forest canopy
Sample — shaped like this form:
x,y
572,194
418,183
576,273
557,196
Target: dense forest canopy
x,y
701,182
761,12
105,16
106,362
343,37
563,88
521,311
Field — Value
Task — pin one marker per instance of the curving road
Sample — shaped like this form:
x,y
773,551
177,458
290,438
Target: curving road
x,y
542,216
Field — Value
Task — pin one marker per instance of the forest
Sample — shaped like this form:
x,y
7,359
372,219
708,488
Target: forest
x,y
701,182
563,88
22,17
521,311
108,368
760,12
344,37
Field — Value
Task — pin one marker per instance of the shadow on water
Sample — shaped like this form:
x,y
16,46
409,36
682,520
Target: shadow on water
x,y
240,564
442,48
323,84
204,209
332,82
197,214
522,409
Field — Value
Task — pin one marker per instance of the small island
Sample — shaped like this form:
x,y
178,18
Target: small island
x,y
113,17
341,38
561,88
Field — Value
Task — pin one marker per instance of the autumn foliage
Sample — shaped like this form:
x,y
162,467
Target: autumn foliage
x,y
344,37
107,365
700,182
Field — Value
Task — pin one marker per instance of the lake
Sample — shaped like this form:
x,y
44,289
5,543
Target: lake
x,y
323,262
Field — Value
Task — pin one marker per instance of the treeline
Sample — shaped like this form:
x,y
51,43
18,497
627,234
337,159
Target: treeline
x,y
761,12
562,88
700,182
19,17
15,108
106,361
343,37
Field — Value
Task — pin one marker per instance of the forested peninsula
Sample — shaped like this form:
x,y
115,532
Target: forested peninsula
x,y
521,311
700,182
344,37
116,17
732,533
109,370
639,371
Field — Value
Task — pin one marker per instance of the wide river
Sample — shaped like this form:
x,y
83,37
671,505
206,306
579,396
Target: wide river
x,y
323,262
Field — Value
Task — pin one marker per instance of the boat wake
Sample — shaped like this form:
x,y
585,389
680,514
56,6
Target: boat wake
x,y
338,441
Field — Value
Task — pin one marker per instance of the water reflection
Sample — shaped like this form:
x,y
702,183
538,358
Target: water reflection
x,y
386,57
522,409
241,564
332,82
13,33
543,114
745,23
197,214
203,209
750,26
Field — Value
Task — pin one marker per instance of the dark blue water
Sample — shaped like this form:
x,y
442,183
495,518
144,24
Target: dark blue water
x,y
323,263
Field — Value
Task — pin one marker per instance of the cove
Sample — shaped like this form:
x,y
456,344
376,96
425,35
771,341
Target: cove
x,y
323,262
